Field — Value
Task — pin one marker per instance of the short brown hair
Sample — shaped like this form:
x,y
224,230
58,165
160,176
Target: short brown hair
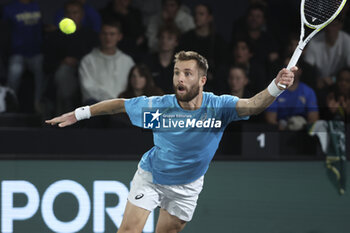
x,y
202,62
113,23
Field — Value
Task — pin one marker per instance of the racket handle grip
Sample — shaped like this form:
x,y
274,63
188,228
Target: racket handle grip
x,y
293,61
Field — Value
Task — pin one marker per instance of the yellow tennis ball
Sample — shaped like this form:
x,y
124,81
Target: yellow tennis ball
x,y
67,26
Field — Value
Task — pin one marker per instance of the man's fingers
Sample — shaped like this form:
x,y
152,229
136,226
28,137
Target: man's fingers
x,y
64,124
54,121
294,69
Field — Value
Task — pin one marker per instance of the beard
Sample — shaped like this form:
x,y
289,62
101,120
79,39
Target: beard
x,y
189,95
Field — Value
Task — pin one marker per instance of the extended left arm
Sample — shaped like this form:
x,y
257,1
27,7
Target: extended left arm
x,y
259,102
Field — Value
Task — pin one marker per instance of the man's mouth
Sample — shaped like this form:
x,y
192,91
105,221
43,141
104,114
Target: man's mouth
x,y
181,89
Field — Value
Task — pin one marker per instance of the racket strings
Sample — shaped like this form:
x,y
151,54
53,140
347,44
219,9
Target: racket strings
x,y
319,11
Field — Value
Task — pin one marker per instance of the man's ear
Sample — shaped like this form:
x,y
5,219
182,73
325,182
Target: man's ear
x,y
203,80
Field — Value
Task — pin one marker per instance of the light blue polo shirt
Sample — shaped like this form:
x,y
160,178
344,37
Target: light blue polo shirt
x,y
185,141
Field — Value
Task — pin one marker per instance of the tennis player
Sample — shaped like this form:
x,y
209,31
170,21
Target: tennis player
x,y
187,128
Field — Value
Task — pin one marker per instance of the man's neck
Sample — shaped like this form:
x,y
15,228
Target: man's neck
x,y
203,31
331,40
194,104
109,51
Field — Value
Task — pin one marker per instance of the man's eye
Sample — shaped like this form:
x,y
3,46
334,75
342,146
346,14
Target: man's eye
x,y
187,74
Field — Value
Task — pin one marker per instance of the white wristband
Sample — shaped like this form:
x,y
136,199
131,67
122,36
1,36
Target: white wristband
x,y
82,113
273,89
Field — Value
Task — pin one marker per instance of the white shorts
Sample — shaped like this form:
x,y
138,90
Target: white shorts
x,y
178,200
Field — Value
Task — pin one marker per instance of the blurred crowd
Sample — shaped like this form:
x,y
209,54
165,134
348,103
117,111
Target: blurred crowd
x,y
126,49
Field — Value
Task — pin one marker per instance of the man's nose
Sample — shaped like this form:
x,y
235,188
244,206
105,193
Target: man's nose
x,y
181,78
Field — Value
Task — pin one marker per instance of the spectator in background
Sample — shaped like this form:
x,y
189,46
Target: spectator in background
x,y
295,107
140,82
91,19
309,76
345,15
104,72
338,98
8,100
204,40
237,81
329,52
25,20
172,13
4,46
63,54
242,56
147,8
161,63
2,70
264,46
133,41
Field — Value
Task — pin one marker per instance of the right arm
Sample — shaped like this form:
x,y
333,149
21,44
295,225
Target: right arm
x,y
106,107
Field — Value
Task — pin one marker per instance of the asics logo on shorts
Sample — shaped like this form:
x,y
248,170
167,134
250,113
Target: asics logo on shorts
x,y
139,196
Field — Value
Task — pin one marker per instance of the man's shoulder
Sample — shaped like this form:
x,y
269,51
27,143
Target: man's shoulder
x,y
218,100
164,99
93,54
345,37
158,101
124,56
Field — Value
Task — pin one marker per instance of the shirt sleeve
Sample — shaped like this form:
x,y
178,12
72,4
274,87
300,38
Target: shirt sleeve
x,y
228,105
135,107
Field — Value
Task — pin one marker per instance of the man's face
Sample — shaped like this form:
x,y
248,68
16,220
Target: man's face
x,y
188,81
202,16
242,53
237,79
256,19
167,42
171,7
138,82
109,37
343,82
75,13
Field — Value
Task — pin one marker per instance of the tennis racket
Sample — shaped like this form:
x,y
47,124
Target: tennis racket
x,y
315,14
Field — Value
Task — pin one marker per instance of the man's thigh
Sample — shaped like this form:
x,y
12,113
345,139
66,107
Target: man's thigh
x,y
181,200
168,223
134,219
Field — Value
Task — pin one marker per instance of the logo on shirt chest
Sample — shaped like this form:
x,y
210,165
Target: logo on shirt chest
x,y
160,120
